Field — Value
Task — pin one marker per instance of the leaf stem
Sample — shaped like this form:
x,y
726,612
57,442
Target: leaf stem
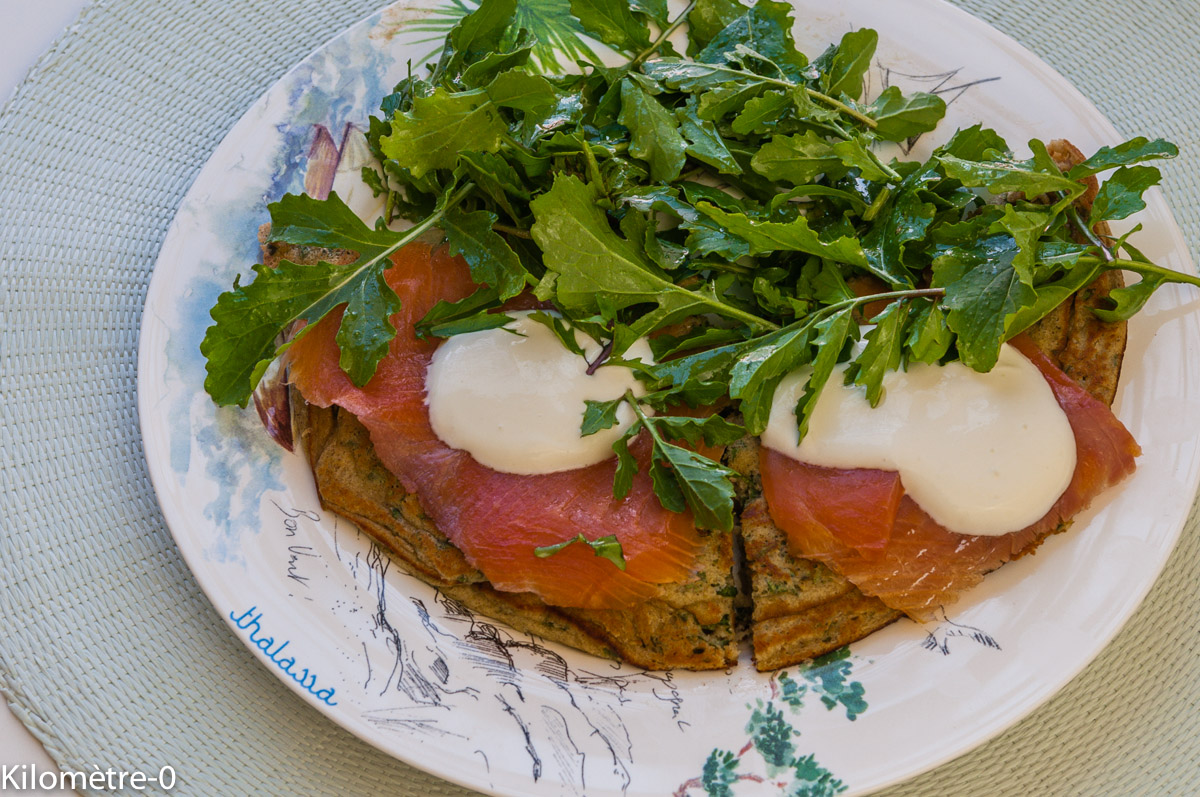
x,y
1144,268
514,231
414,232
605,353
730,311
837,104
1089,233
892,174
871,212
409,235
593,168
642,419
841,106
662,37
913,293
389,207
720,265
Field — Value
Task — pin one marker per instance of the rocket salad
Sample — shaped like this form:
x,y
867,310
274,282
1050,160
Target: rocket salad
x,y
736,184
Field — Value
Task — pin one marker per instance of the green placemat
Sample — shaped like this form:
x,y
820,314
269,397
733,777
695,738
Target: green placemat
x,y
108,650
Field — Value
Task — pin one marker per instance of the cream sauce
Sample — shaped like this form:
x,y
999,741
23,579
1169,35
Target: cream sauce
x,y
982,454
515,402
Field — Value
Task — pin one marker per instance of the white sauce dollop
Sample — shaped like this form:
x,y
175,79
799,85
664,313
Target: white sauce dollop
x,y
983,454
515,402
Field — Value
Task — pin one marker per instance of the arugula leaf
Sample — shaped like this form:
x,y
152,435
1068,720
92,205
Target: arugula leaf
x,y
704,142
724,100
1121,195
761,113
654,132
626,464
1130,299
855,202
899,117
442,125
973,144
797,159
240,344
682,478
709,366
759,370
594,264
482,71
885,343
708,18
656,10
1127,301
824,281
482,29
706,485
662,199
449,318
693,77
850,63
1135,150
608,547
981,293
600,415
473,37
1025,227
612,22
1000,176
664,346
929,337
562,330
495,177
491,260
855,154
905,220
712,429
795,236
766,28
461,324
523,91
1049,296
830,339
698,192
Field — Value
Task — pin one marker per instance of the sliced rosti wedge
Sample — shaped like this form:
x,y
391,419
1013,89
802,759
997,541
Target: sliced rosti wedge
x,y
495,519
802,608
688,625
902,556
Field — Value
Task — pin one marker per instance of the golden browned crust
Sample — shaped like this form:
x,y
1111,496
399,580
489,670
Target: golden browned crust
x,y
689,626
802,609
353,482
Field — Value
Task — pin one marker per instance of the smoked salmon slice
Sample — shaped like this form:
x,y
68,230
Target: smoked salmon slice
x,y
495,519
860,523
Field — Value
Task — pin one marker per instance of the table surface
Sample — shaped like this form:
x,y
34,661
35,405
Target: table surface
x,y
29,29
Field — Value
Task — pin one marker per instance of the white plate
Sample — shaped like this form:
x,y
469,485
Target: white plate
x,y
391,660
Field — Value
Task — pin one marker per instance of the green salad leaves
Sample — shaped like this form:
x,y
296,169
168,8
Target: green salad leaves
x,y
730,200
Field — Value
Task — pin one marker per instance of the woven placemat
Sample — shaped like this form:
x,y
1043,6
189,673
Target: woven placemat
x,y
108,650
